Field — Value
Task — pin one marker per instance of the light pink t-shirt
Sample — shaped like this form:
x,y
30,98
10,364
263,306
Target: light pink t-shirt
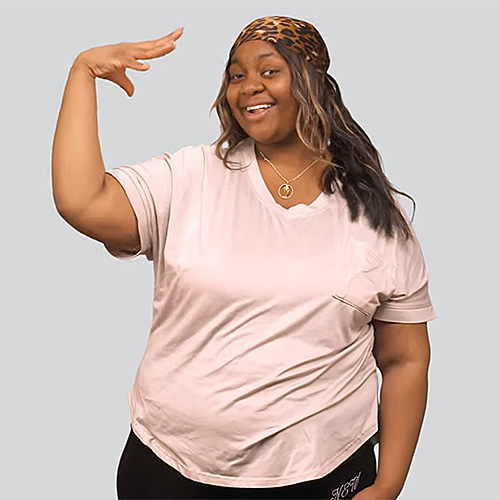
x,y
258,371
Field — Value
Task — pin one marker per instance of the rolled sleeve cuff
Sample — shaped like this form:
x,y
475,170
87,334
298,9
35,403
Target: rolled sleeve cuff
x,y
134,191
399,315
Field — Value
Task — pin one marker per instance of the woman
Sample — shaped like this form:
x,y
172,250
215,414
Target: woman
x,y
285,273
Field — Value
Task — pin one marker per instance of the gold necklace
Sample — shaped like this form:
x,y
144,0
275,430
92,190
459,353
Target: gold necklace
x,y
285,191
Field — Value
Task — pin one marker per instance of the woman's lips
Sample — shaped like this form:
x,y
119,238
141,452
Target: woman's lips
x,y
256,114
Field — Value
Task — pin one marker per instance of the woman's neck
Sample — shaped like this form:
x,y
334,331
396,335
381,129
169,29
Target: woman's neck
x,y
289,159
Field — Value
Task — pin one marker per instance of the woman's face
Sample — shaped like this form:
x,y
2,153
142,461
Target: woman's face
x,y
260,76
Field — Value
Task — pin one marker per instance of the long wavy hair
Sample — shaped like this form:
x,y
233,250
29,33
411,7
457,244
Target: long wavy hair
x,y
328,130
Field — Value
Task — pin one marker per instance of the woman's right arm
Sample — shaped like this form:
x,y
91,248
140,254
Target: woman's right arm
x,y
90,200
77,165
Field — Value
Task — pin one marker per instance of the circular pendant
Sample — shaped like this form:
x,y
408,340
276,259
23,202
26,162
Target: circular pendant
x,y
285,191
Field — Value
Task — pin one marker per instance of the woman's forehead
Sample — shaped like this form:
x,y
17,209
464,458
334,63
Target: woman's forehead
x,y
254,50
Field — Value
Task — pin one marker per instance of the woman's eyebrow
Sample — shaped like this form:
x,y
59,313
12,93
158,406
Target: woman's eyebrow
x,y
260,56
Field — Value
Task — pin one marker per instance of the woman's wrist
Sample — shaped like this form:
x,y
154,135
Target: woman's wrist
x,y
388,489
80,64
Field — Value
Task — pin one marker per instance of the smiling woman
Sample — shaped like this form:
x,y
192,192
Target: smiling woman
x,y
286,273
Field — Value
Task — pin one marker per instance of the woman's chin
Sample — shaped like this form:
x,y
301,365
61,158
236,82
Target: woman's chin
x,y
259,135
266,138
270,140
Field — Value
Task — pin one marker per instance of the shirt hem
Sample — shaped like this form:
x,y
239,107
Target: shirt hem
x,y
251,482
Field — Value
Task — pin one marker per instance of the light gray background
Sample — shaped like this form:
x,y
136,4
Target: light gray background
x,y
421,78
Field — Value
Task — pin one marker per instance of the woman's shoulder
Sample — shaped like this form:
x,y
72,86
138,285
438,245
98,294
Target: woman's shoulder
x,y
203,154
186,153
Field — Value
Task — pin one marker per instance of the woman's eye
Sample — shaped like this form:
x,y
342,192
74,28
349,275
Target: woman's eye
x,y
267,72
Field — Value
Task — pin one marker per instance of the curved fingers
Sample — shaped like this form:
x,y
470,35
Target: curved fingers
x,y
152,49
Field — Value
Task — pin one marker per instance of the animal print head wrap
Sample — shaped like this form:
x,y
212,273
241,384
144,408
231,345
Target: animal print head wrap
x,y
299,36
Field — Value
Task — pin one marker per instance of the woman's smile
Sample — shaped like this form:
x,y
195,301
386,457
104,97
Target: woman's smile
x,y
254,113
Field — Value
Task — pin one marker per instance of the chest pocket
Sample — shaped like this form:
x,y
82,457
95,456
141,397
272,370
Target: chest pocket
x,y
365,280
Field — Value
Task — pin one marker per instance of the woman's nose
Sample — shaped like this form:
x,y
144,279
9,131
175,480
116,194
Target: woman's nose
x,y
252,84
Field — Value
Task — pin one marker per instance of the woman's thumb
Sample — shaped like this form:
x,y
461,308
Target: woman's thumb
x,y
124,82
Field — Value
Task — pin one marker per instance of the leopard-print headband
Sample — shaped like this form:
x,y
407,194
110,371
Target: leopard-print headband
x,y
299,36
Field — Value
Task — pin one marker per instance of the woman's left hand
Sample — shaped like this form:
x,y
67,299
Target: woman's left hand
x,y
373,492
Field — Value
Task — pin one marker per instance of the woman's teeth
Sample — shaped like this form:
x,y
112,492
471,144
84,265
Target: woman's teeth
x,y
251,109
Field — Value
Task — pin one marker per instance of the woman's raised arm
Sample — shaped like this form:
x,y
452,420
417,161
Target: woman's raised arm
x,y
82,193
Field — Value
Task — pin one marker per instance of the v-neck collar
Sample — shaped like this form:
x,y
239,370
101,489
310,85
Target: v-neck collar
x,y
266,197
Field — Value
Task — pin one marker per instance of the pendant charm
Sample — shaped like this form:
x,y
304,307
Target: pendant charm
x,y
285,191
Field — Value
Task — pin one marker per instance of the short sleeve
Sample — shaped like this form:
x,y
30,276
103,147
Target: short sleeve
x,y
148,186
409,301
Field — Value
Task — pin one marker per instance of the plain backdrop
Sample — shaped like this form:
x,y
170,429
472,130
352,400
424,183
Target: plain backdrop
x,y
421,78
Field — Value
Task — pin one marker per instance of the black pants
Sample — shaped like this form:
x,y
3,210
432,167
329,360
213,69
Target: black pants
x,y
141,474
